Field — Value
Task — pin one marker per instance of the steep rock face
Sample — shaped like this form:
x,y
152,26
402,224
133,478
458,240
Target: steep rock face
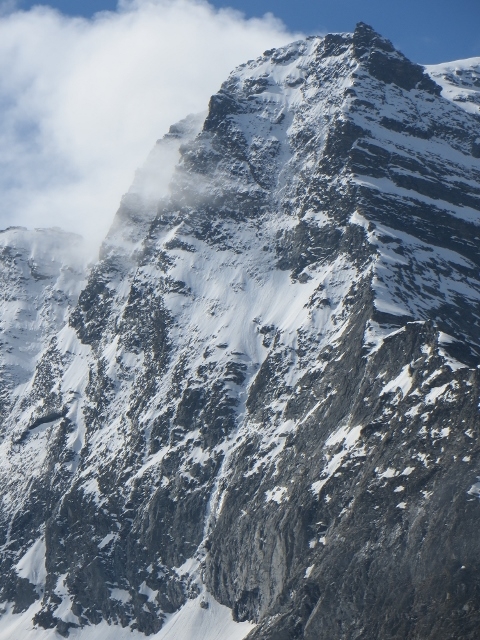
x,y
41,275
268,389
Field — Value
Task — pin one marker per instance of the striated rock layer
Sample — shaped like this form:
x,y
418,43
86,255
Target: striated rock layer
x,y
265,396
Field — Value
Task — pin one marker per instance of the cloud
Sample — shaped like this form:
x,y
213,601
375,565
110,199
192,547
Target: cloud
x,y
83,101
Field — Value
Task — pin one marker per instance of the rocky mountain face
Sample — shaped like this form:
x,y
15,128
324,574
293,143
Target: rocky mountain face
x,y
265,395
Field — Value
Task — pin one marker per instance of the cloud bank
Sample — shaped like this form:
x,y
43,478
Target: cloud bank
x,y
82,102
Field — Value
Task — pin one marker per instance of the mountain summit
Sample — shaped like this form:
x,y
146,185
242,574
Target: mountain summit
x,y
258,415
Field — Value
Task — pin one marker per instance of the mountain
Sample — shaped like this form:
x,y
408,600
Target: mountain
x,y
258,416
41,275
460,81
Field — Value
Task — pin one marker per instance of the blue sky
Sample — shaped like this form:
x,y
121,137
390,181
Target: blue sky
x,y
427,31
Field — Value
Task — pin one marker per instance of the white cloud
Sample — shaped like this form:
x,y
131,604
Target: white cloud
x,y
83,101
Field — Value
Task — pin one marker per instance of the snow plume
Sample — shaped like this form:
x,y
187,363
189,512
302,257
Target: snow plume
x,y
83,101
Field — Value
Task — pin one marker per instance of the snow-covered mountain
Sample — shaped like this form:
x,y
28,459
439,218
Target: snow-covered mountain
x,y
264,398
460,81
42,273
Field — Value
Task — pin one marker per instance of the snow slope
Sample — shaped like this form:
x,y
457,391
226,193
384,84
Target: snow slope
x,y
192,622
460,82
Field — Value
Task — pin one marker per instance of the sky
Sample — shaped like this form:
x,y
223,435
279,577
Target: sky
x,y
87,87
427,31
